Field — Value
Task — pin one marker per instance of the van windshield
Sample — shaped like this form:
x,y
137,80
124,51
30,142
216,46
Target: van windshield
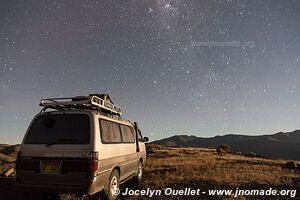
x,y
53,129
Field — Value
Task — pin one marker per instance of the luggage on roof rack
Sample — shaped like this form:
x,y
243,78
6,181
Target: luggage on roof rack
x,y
101,102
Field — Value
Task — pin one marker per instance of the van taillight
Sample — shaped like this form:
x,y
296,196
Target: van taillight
x,y
93,161
18,159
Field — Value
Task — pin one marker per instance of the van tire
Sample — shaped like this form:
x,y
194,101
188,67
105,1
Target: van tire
x,y
138,178
113,184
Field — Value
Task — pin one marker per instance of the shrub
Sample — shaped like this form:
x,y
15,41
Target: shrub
x,y
150,148
223,148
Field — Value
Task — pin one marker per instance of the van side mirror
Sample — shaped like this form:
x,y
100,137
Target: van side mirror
x,y
146,139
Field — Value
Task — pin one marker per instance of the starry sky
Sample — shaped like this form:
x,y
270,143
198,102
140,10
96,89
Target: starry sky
x,y
175,66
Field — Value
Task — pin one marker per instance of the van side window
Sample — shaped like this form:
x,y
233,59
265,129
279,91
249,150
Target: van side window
x,y
110,132
127,134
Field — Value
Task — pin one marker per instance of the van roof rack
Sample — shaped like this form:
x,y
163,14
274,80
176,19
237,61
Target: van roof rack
x,y
92,101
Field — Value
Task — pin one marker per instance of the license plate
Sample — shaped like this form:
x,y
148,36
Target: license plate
x,y
51,167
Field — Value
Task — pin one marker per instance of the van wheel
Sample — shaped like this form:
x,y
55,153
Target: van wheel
x,y
112,190
139,173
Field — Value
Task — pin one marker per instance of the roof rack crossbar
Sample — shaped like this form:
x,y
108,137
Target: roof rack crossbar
x,y
90,102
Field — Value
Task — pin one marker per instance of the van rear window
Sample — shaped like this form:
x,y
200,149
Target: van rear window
x,y
60,129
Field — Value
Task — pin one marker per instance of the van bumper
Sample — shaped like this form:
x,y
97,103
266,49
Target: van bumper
x,y
54,189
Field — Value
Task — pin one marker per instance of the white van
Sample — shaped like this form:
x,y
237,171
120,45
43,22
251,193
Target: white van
x,y
82,146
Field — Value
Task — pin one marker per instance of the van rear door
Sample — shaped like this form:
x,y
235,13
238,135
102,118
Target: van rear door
x,y
56,150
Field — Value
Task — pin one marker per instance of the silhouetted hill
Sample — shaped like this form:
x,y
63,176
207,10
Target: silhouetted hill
x,y
280,145
9,150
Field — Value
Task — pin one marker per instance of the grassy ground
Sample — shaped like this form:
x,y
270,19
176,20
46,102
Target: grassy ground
x,y
206,169
174,165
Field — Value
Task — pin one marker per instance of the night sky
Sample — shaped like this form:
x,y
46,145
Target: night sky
x,y
176,67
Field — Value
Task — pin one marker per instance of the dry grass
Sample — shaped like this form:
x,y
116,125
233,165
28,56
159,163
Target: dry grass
x,y
207,169
6,162
176,165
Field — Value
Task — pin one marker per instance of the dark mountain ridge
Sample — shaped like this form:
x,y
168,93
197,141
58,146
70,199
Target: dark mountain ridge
x,y
278,146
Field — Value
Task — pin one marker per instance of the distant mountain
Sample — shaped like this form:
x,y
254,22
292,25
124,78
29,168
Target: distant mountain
x,y
278,146
9,150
